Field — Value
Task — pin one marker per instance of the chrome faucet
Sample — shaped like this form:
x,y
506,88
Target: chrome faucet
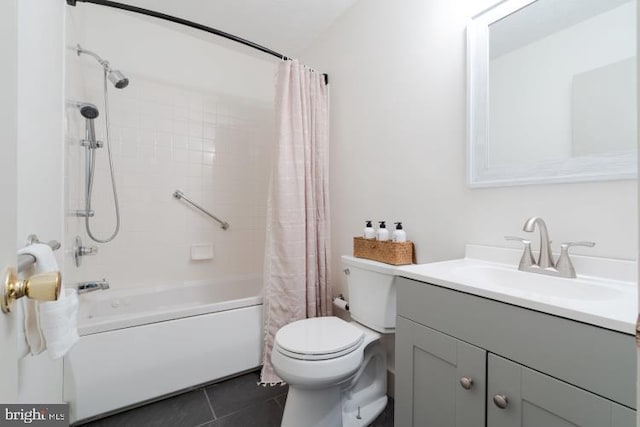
x,y
545,264
92,285
545,259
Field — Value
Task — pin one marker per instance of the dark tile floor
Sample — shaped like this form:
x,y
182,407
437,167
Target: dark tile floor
x,y
237,402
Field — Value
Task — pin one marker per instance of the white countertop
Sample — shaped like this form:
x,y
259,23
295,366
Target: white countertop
x,y
606,298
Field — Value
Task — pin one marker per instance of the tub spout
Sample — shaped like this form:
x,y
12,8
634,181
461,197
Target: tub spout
x,y
92,285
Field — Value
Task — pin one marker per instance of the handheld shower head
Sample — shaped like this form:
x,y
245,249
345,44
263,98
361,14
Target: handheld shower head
x,y
88,111
115,76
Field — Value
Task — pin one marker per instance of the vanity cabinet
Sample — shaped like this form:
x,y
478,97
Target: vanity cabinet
x,y
464,360
518,396
441,381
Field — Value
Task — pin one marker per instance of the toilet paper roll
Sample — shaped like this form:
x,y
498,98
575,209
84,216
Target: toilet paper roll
x,y
340,303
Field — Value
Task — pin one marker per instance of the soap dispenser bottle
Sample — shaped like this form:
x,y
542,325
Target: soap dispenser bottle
x,y
399,235
369,232
383,233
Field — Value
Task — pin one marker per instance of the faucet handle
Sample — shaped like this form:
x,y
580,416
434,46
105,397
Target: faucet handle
x,y
564,264
518,239
567,245
527,259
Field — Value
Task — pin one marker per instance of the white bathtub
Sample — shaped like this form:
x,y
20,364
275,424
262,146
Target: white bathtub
x,y
136,345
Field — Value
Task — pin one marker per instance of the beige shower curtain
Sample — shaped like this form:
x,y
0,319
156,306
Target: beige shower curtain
x,y
296,282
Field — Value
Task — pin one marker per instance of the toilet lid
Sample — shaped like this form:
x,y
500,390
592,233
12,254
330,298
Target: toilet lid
x,y
318,338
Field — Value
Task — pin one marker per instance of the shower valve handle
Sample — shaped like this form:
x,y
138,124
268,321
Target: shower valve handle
x,y
79,250
87,250
91,144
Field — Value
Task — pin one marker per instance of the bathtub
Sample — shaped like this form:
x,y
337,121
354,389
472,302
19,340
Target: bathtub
x,y
137,345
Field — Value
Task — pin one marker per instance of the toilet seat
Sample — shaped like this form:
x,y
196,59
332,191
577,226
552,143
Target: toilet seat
x,y
318,338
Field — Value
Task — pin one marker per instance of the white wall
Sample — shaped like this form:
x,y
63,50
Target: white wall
x,y
40,159
398,145
638,222
8,184
197,116
174,53
8,123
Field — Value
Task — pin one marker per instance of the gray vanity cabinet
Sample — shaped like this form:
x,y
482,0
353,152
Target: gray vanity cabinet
x,y
527,368
520,397
454,394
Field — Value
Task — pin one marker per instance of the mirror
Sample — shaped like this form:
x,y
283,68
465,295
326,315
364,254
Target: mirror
x,y
552,92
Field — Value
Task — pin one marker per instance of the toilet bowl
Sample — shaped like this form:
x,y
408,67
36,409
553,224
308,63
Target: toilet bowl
x,y
337,370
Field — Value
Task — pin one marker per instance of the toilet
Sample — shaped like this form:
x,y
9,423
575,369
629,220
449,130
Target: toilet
x,y
337,370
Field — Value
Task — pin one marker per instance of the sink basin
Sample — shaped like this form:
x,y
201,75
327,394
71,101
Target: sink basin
x,y
608,300
538,285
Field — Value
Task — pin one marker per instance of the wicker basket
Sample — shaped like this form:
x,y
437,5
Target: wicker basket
x,y
395,253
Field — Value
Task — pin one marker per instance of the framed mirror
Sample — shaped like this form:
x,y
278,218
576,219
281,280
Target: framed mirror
x,y
552,92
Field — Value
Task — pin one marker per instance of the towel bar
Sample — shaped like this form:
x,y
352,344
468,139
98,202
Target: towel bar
x,y
180,195
25,260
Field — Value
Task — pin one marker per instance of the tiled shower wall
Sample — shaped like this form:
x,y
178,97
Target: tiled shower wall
x,y
216,148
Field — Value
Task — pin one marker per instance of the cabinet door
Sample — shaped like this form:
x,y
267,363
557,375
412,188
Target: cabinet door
x,y
431,368
520,397
622,416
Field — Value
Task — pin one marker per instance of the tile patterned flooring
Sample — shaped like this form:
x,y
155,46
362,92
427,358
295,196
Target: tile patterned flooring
x,y
236,402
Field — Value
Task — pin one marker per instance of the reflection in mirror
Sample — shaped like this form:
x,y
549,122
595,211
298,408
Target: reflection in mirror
x,y
552,92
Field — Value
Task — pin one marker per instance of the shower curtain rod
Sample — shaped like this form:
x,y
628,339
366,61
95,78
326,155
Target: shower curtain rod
x,y
188,23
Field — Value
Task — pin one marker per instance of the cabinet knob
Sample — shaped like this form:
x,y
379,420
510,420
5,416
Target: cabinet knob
x,y
466,383
500,401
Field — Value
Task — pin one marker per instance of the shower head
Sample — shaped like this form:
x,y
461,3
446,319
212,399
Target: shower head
x,y
115,76
88,111
118,79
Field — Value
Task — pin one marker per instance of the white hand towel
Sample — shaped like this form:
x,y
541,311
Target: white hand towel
x,y
45,262
23,345
32,333
58,320
45,259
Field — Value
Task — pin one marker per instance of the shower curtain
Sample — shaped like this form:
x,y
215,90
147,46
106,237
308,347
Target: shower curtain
x,y
297,250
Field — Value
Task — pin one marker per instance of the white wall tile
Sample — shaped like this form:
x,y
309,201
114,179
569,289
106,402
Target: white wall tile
x,y
158,151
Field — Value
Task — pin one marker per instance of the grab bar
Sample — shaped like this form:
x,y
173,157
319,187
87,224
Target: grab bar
x,y
27,260
180,195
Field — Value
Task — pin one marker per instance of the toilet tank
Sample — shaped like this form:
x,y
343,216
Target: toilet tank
x,y
372,293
